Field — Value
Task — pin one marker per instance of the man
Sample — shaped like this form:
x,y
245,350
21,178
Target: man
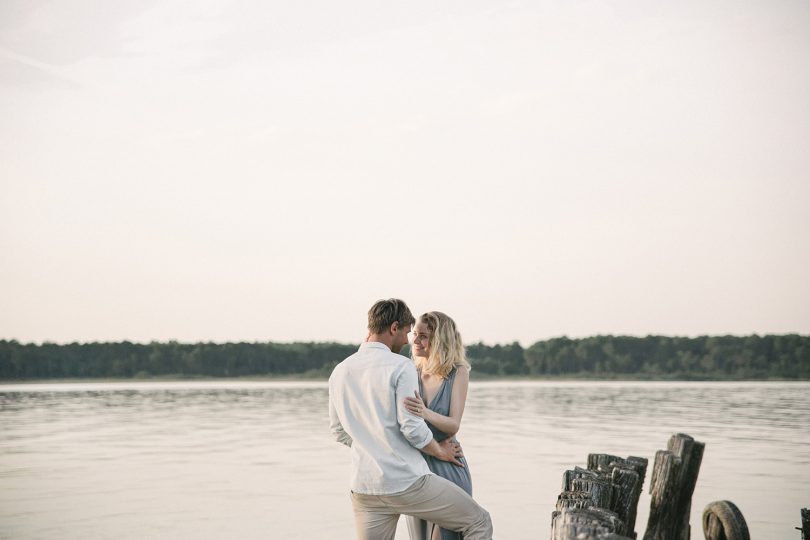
x,y
389,477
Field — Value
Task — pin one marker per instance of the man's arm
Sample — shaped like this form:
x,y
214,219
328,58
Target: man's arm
x,y
335,426
412,427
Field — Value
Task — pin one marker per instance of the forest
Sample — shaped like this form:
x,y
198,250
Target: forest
x,y
597,357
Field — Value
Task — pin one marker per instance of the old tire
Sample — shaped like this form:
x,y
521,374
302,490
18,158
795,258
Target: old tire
x,y
727,513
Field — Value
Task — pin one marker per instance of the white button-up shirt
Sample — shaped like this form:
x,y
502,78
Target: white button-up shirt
x,y
366,413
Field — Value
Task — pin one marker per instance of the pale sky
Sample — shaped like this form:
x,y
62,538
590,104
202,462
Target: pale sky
x,y
251,170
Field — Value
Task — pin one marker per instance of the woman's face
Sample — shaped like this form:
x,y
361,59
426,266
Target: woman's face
x,y
421,337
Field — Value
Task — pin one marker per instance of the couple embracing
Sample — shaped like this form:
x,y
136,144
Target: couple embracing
x,y
400,424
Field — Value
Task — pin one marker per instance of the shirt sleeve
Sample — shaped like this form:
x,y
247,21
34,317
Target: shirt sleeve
x,y
413,427
335,426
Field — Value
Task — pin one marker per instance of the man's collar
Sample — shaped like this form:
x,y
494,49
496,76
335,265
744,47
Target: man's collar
x,y
374,345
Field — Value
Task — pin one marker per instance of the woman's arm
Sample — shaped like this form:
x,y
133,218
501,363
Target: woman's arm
x,y
448,424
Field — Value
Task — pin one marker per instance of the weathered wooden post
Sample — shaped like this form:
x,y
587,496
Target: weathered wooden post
x,y
722,520
673,481
600,502
628,474
586,524
805,524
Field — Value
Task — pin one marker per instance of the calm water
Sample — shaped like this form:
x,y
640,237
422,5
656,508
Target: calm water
x,y
254,459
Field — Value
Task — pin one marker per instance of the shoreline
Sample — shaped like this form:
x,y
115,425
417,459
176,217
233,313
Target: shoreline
x,y
304,378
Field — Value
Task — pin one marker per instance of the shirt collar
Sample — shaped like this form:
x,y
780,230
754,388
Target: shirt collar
x,y
374,345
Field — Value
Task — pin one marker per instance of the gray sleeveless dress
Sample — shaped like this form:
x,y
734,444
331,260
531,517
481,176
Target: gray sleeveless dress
x,y
418,528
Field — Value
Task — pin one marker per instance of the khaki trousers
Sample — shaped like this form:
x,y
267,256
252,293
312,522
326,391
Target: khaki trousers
x,y
431,498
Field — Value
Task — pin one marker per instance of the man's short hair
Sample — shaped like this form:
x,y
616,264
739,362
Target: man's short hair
x,y
384,313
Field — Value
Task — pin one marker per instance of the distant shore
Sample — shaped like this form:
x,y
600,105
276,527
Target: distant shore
x,y
649,358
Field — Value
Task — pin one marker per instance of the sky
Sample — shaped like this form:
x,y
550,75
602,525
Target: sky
x,y
248,171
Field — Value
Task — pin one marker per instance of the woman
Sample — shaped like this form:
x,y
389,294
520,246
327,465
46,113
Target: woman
x,y
444,375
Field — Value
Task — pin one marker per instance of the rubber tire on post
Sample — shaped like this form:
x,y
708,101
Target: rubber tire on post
x,y
730,517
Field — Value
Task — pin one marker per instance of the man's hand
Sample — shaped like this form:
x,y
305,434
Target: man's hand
x,y
447,450
451,451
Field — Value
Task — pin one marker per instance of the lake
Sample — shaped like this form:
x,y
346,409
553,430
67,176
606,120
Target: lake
x,y
237,459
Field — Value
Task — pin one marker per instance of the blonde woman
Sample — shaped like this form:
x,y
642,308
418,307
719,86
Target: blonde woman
x,y
444,375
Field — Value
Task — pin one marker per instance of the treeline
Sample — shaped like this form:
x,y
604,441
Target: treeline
x,y
706,357
125,359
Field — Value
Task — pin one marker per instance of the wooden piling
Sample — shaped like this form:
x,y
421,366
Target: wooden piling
x,y
586,524
600,502
628,475
805,524
673,481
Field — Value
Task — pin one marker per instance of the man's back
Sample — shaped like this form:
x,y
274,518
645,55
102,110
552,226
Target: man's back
x,y
366,392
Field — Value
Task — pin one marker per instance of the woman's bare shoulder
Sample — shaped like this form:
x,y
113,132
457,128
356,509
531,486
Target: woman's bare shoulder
x,y
462,374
